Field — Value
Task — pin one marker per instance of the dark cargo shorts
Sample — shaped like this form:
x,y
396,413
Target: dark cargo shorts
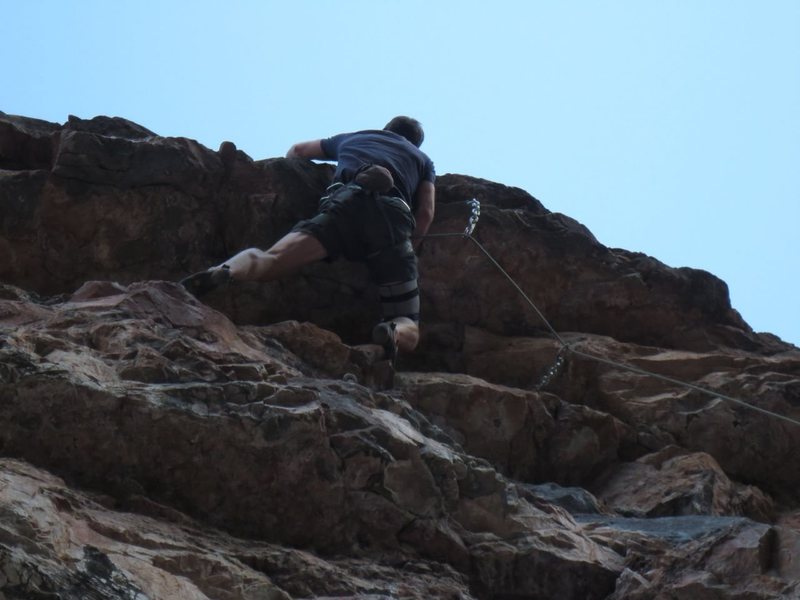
x,y
366,227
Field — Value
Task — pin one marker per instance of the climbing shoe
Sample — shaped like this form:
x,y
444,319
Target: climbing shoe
x,y
384,335
375,178
200,284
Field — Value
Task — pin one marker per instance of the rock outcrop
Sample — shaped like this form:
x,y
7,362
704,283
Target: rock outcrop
x,y
253,446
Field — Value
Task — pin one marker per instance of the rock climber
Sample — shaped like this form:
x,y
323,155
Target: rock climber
x,y
382,195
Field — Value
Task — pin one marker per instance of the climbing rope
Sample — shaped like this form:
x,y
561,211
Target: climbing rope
x,y
567,348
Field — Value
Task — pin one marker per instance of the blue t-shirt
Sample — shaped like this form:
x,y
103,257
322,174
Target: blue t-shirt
x,y
408,164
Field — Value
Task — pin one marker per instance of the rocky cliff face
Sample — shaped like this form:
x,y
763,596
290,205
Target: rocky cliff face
x,y
253,447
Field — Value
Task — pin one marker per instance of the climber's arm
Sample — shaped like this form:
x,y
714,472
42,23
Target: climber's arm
x,y
312,149
425,201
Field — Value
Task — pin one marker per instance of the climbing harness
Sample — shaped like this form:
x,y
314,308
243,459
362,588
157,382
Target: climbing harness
x,y
566,348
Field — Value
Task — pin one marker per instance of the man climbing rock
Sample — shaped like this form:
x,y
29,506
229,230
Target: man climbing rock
x,y
383,194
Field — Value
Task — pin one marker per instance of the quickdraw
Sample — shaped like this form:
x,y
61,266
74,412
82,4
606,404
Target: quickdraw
x,y
475,214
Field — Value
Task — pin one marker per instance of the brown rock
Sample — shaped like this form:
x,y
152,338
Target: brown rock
x,y
674,482
271,419
748,445
66,543
26,143
694,557
125,203
788,550
135,392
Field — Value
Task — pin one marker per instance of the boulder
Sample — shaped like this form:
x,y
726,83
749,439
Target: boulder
x,y
142,392
695,485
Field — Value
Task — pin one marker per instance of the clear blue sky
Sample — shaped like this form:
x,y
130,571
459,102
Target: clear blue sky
x,y
669,127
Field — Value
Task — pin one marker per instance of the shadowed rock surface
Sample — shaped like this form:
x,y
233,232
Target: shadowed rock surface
x,y
254,447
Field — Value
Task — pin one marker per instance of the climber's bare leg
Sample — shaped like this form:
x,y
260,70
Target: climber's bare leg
x,y
399,334
406,334
292,251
